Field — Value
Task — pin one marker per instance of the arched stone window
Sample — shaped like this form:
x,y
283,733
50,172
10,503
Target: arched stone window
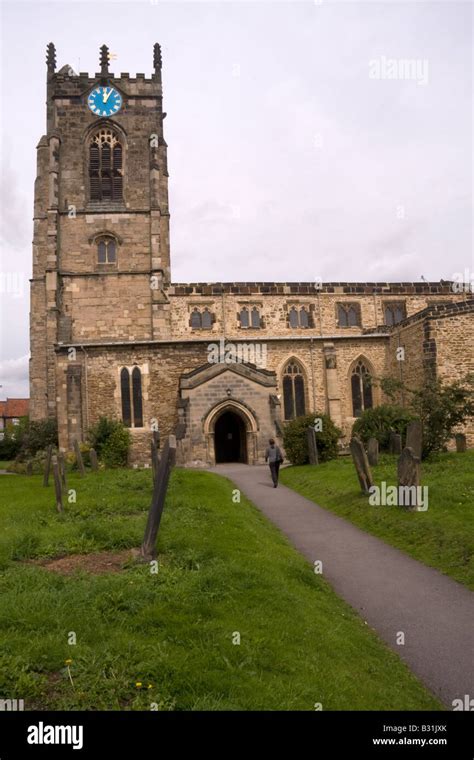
x,y
106,250
244,317
293,391
131,394
105,166
293,317
255,318
304,317
348,315
195,320
361,388
201,320
125,394
394,313
206,319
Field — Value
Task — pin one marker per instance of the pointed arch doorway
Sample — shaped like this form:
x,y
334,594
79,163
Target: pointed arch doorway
x,y
230,438
231,430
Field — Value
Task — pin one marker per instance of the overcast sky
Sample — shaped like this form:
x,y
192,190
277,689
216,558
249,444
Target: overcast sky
x,y
306,139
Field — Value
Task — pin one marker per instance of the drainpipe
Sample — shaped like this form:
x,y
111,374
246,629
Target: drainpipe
x,y
312,372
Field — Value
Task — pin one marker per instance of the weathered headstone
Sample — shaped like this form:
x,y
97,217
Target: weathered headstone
x,y
395,443
460,439
154,458
62,469
373,452
29,467
47,466
168,458
57,485
93,460
408,477
312,445
415,437
79,460
361,463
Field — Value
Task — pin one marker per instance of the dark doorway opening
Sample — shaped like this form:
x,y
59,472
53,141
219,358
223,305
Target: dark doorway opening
x,y
230,438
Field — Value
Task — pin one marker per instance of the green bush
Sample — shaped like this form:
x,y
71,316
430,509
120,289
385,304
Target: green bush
x,y
38,436
442,407
111,441
296,443
38,463
13,436
380,421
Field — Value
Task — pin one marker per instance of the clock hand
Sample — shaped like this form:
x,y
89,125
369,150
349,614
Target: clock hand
x,y
106,96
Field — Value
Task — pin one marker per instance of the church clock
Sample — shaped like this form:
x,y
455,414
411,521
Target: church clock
x,y
104,101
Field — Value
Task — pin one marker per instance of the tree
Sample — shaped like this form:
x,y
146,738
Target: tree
x,y
441,407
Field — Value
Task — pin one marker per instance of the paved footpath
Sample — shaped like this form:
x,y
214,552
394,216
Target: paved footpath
x,y
391,591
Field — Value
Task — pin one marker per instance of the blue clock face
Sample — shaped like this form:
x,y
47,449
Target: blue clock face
x,y
104,101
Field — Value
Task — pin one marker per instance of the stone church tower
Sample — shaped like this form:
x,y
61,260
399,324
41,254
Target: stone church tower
x,y
223,365
101,255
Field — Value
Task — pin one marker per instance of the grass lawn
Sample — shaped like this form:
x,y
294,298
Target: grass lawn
x,y
442,537
4,464
223,570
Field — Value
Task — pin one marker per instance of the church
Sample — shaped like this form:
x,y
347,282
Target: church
x,y
224,365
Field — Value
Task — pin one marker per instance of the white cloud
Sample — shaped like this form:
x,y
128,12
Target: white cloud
x,y
14,378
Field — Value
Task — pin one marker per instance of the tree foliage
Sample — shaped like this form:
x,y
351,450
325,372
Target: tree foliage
x,y
296,443
442,407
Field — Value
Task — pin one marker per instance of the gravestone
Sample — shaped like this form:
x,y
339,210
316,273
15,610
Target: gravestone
x,y
373,452
62,469
93,460
29,467
57,485
361,463
47,466
160,486
415,437
312,445
395,443
80,463
155,461
460,442
409,475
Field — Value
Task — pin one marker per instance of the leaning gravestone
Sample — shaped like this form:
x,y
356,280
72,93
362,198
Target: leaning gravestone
x,y
409,477
93,460
415,437
395,443
373,452
312,445
460,442
361,463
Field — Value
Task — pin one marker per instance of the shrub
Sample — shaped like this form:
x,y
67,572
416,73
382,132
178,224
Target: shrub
x,y
38,463
38,435
111,440
442,407
380,421
71,459
296,443
12,440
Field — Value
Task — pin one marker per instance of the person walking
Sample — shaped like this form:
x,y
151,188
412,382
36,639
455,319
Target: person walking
x,y
274,458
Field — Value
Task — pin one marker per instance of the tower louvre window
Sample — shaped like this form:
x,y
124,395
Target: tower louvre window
x,y
105,167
